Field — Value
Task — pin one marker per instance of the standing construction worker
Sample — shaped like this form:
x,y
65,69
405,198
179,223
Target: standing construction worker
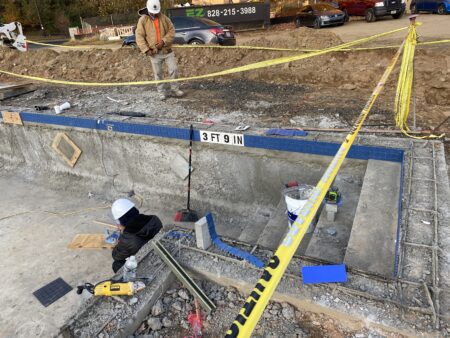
x,y
138,229
154,37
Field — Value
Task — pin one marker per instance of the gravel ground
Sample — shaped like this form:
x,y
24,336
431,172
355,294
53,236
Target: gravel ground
x,y
168,318
241,101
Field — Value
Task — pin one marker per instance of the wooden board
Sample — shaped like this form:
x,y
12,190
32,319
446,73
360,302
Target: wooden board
x,y
89,241
66,148
11,90
12,118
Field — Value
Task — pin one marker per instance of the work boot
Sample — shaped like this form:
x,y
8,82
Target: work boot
x,y
178,93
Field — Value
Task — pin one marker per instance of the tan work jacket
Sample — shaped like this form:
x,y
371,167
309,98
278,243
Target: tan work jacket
x,y
146,33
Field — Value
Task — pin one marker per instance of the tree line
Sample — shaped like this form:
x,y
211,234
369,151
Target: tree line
x,y
55,16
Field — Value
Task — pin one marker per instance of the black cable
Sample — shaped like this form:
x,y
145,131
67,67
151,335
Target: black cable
x,y
109,175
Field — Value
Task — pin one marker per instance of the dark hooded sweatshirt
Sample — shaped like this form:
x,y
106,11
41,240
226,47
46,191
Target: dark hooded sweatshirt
x,y
139,229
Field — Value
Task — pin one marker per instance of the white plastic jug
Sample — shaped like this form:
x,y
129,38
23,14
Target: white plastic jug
x,y
129,270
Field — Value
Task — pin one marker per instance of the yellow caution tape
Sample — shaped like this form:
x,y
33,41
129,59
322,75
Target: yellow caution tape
x,y
250,313
433,42
308,50
281,49
252,66
224,47
63,46
254,47
404,87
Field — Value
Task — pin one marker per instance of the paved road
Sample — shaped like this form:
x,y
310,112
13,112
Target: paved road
x,y
435,27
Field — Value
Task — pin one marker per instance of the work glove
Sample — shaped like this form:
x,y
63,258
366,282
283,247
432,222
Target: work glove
x,y
151,52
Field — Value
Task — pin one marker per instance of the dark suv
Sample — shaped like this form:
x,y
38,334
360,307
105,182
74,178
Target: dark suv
x,y
196,31
373,9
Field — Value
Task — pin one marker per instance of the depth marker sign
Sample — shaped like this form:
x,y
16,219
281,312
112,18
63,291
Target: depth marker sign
x,y
222,138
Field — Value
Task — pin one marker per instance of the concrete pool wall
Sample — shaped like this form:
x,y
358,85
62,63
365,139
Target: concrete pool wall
x,y
120,157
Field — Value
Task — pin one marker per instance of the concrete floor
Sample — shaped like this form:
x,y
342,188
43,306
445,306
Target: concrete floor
x,y
35,229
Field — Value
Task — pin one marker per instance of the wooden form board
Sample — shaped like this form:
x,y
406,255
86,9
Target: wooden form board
x,y
12,118
11,90
89,241
66,148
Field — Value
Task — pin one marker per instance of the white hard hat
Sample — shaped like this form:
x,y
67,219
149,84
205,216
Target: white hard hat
x,y
120,207
153,6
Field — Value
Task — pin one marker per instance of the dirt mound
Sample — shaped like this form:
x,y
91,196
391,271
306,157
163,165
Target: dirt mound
x,y
306,38
121,65
344,70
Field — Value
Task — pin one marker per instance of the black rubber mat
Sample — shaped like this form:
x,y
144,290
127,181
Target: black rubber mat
x,y
52,291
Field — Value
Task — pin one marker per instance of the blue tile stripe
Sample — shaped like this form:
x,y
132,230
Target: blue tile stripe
x,y
251,141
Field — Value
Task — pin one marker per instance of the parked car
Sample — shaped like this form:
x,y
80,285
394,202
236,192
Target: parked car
x,y
319,15
373,9
196,31
433,6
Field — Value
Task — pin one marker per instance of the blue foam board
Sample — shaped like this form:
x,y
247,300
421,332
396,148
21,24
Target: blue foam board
x,y
324,274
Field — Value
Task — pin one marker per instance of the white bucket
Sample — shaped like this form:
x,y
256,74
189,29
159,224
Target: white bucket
x,y
296,198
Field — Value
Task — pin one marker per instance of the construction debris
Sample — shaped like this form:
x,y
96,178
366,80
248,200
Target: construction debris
x,y
11,90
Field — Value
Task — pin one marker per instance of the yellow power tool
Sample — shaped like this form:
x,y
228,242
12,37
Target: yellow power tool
x,y
111,288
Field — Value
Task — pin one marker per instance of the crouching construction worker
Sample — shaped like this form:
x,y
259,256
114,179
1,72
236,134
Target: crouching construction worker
x,y
138,229
154,37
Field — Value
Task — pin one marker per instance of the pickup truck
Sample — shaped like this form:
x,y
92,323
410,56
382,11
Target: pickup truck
x,y
373,9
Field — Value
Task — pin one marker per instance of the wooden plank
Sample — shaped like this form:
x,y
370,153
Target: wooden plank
x,y
62,139
89,241
12,118
114,226
7,91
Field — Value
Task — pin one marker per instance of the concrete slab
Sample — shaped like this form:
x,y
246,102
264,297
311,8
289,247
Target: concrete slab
x,y
36,225
202,235
252,231
180,166
372,241
275,229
